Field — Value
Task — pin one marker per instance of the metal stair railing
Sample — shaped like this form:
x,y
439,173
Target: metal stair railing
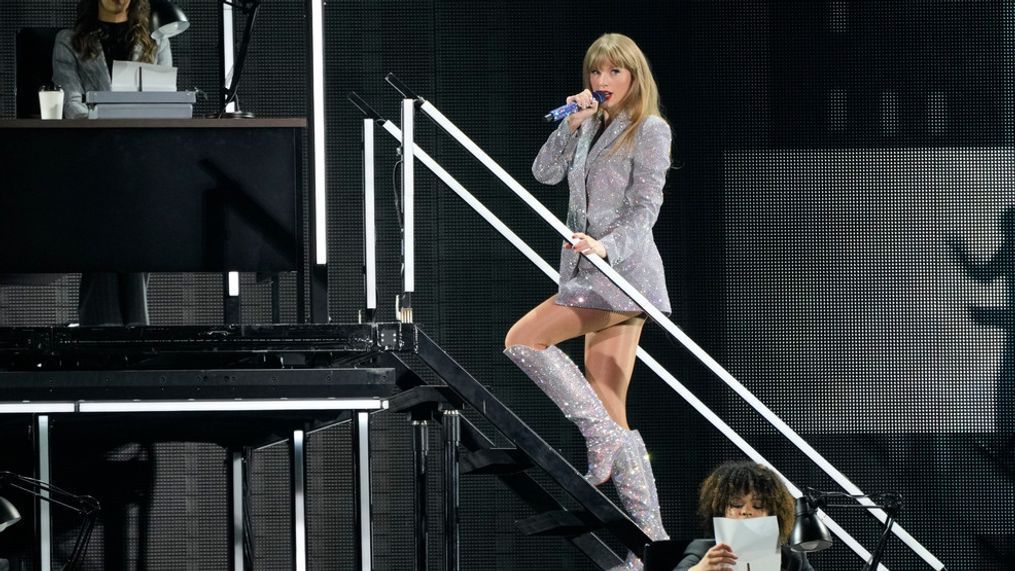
x,y
653,312
714,419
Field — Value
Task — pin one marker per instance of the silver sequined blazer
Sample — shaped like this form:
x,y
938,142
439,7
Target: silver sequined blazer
x,y
615,198
77,75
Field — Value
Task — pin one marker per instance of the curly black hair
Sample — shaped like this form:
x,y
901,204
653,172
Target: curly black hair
x,y
733,480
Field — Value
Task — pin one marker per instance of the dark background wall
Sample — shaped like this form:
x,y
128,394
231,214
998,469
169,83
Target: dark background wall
x,y
829,151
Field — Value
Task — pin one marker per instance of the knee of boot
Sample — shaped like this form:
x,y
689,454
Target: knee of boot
x,y
512,339
516,337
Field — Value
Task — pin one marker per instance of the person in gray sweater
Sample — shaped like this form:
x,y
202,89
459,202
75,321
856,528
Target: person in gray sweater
x,y
105,31
741,490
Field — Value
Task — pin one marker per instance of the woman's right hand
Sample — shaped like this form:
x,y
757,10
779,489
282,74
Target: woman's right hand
x,y
719,558
587,105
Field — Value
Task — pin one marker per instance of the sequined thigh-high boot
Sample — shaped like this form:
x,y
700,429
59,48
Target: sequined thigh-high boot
x,y
557,376
636,485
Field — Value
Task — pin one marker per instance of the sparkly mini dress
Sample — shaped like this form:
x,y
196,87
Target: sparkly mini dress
x,y
615,198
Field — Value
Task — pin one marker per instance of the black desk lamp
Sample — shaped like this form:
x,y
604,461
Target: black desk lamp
x,y
167,19
249,9
9,514
86,507
810,533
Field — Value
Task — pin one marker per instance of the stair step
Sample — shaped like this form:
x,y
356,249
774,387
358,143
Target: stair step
x,y
494,461
559,522
579,528
425,397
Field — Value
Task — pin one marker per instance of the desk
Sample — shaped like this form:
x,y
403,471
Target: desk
x,y
42,412
145,370
154,195
197,195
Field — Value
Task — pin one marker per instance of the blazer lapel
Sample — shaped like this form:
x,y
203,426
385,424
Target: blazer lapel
x,y
95,74
617,126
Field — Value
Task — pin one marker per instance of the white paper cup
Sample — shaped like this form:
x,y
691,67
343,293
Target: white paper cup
x,y
51,104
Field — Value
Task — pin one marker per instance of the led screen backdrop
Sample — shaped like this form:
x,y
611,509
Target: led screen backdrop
x,y
843,282
833,156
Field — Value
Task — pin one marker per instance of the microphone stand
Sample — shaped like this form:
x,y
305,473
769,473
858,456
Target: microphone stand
x,y
85,506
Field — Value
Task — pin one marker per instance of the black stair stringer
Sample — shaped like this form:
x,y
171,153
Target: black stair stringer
x,y
424,401
526,440
541,501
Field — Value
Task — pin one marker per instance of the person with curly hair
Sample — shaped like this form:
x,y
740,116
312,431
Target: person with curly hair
x,y
741,490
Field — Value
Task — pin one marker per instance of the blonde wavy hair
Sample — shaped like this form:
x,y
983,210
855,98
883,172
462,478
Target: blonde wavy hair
x,y
642,100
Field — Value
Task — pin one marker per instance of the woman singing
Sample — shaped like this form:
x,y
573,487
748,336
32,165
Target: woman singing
x,y
615,156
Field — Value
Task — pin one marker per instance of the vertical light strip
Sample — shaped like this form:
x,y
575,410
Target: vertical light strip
x,y
45,525
366,523
320,174
228,50
408,132
299,506
234,284
369,200
237,492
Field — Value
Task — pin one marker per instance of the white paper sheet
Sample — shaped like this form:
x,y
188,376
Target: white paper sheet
x,y
137,76
755,541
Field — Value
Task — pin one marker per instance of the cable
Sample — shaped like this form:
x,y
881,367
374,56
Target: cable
x,y
395,187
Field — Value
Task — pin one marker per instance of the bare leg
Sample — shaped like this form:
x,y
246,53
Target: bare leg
x,y
596,403
548,324
531,344
609,362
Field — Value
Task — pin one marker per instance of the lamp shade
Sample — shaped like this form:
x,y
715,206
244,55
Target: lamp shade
x,y
809,532
167,19
9,514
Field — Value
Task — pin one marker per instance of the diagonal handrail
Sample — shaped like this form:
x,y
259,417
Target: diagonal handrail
x,y
646,358
663,321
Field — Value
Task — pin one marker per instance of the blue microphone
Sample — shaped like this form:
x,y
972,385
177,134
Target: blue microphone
x,y
565,110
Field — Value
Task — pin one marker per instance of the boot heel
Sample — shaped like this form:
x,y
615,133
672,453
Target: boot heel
x,y
636,485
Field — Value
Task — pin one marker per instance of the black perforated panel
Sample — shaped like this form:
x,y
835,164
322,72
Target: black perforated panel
x,y
830,152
